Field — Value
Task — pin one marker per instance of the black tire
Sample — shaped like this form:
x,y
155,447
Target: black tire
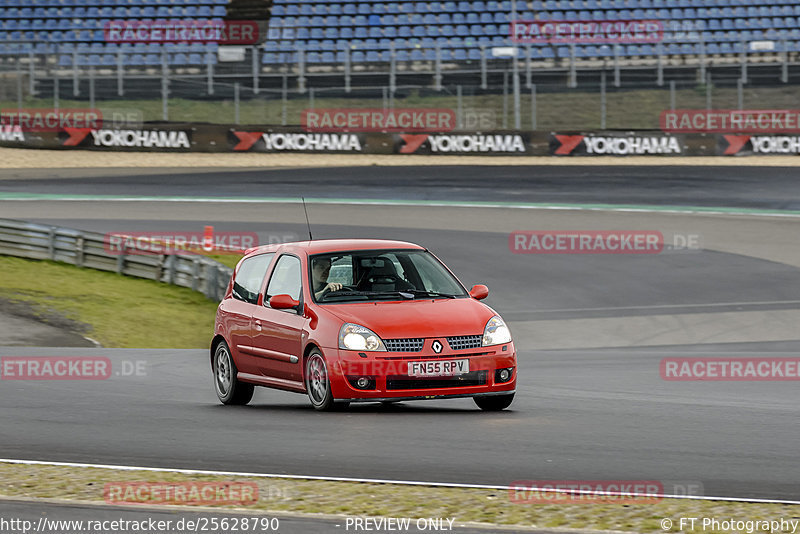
x,y
318,383
494,403
229,389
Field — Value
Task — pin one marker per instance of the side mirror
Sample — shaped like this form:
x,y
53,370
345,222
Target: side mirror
x,y
479,292
283,302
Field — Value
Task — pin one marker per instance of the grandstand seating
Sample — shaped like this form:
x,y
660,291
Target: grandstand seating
x,y
461,27
72,30
329,31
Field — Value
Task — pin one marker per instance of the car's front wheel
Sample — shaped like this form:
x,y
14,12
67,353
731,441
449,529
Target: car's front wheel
x,y
318,383
494,403
229,389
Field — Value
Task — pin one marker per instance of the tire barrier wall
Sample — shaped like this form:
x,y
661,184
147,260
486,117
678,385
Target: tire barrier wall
x,y
195,137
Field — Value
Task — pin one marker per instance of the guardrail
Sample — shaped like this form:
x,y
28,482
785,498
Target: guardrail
x,y
87,249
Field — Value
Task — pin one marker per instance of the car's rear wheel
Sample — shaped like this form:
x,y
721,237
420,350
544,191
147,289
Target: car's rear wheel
x,y
318,384
494,403
229,389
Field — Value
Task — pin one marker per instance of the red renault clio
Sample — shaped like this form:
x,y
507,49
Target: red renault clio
x,y
358,320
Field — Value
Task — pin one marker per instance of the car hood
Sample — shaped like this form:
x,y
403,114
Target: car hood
x,y
417,318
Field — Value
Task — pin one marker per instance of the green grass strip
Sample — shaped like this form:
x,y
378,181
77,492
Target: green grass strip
x,y
116,310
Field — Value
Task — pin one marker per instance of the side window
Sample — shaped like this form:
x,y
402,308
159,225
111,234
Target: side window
x,y
285,278
248,279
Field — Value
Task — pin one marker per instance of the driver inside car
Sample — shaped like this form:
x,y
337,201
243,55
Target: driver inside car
x,y
320,268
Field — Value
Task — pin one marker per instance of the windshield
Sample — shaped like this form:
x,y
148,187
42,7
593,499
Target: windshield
x,y
381,275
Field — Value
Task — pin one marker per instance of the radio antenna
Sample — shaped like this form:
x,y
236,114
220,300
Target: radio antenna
x,y
307,223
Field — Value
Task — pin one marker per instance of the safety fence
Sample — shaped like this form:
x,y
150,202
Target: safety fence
x,y
90,250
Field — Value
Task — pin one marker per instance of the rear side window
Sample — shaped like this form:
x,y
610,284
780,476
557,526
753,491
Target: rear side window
x,y
285,278
249,277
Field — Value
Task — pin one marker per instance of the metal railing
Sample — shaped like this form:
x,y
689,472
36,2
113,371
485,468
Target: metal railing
x,y
511,93
88,250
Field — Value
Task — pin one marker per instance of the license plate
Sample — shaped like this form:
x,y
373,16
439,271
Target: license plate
x,y
438,368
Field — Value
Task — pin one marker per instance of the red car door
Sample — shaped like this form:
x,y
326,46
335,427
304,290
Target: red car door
x,y
277,334
237,312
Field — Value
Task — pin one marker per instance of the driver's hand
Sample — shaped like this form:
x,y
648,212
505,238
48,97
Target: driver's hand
x,y
333,286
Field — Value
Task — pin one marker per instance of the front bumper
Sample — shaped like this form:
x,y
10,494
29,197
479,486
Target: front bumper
x,y
390,381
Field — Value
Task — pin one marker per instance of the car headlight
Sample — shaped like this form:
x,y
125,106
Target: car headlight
x,y
496,332
357,337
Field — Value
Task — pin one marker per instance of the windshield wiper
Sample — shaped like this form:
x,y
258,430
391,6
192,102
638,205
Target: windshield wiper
x,y
412,293
343,294
404,294
424,293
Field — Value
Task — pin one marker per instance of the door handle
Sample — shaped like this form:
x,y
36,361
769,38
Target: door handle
x,y
258,325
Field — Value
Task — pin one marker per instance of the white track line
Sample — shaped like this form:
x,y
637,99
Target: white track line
x,y
383,481
662,306
378,202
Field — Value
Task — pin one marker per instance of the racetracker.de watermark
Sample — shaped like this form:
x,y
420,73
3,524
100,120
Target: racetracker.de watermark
x,y
600,242
51,119
206,242
730,369
587,32
378,120
67,368
730,121
226,32
55,368
593,491
181,493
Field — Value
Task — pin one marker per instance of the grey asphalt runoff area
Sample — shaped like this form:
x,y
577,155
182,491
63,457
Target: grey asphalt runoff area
x,y
585,412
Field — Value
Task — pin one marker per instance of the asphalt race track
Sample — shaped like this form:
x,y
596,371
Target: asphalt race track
x,y
590,330
753,187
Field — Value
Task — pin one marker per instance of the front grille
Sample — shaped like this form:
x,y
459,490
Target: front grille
x,y
465,342
474,378
412,344
434,356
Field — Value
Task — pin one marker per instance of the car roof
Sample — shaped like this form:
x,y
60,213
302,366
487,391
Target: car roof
x,y
321,246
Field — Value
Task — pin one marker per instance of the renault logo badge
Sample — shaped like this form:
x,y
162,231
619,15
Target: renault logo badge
x,y
437,346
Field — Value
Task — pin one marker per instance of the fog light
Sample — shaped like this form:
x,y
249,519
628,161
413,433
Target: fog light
x,y
362,382
503,375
